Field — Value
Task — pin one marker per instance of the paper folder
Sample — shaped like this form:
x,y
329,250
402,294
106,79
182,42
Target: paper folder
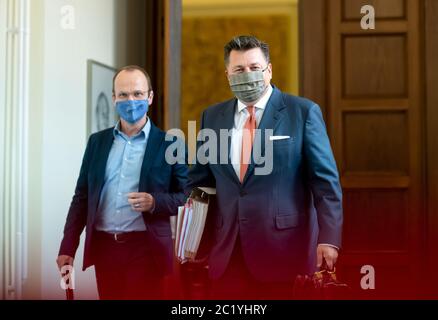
x,y
191,223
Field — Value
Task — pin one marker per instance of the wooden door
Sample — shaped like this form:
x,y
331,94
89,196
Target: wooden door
x,y
370,90
431,128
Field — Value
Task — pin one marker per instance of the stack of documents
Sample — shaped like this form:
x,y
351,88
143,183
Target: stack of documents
x,y
190,224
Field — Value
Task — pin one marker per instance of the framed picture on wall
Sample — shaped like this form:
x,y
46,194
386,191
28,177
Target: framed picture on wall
x,y
101,113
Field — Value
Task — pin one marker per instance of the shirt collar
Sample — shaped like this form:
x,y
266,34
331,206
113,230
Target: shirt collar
x,y
144,133
261,104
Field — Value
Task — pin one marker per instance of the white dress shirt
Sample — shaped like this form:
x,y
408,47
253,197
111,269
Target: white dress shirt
x,y
240,117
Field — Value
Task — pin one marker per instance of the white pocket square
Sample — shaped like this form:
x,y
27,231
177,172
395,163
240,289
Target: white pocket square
x,y
272,138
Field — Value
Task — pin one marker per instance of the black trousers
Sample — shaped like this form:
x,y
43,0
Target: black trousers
x,y
125,269
237,283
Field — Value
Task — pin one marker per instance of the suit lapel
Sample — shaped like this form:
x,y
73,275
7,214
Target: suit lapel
x,y
153,145
227,122
103,153
103,150
271,118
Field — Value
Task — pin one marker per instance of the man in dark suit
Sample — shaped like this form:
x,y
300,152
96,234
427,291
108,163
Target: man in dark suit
x,y
125,194
268,227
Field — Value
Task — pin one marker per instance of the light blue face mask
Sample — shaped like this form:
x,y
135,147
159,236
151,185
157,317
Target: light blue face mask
x,y
132,110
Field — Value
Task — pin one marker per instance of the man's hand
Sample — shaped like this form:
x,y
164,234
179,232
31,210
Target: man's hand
x,y
64,260
141,201
328,253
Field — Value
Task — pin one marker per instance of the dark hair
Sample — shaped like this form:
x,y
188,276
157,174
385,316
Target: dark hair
x,y
244,43
133,68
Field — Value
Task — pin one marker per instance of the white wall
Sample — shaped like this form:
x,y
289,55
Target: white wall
x,y
58,127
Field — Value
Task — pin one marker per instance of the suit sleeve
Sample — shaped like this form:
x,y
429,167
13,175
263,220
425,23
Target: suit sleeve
x,y
168,202
323,178
200,175
77,214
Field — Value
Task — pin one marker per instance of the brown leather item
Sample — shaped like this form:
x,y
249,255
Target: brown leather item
x,y
322,285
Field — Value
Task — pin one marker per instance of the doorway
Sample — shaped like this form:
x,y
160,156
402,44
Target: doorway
x,y
208,25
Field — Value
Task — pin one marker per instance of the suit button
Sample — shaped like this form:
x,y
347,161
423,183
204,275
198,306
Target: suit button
x,y
243,193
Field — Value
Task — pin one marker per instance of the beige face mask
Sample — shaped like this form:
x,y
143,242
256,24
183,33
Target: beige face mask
x,y
248,86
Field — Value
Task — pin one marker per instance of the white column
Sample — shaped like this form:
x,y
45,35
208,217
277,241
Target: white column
x,y
14,124
2,143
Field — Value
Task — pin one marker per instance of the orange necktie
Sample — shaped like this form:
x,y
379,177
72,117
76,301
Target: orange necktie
x,y
247,141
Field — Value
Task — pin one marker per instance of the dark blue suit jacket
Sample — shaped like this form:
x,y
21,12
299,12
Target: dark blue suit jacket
x,y
282,216
164,181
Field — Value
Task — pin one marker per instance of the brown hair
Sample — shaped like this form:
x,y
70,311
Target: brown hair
x,y
244,43
133,68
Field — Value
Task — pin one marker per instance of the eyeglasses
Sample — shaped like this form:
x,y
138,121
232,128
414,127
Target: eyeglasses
x,y
136,95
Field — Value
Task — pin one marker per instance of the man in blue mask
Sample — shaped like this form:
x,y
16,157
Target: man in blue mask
x,y
124,197
267,228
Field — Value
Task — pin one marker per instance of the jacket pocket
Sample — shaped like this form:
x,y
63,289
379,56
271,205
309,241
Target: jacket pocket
x,y
283,142
287,221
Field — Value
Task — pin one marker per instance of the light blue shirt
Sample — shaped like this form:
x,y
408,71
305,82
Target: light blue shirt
x,y
122,176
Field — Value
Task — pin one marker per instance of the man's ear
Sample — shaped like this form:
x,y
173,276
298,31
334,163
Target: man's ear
x,y
151,97
114,98
270,69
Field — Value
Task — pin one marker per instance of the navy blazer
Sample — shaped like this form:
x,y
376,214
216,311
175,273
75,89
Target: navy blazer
x,y
163,181
282,216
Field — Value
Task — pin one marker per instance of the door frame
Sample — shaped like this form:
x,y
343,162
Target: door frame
x,y
163,59
431,128
312,22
